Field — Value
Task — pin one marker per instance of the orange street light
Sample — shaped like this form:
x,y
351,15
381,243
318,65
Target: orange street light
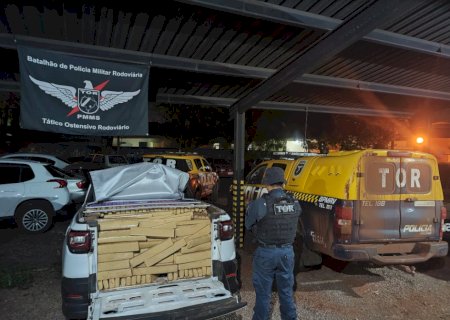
x,y
420,140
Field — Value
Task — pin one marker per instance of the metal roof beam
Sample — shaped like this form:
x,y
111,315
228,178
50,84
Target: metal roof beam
x,y
288,16
274,105
312,79
209,67
350,31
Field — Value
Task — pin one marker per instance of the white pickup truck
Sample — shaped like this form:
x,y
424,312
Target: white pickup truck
x,y
137,249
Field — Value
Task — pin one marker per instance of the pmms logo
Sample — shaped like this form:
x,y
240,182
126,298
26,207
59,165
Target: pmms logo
x,y
88,100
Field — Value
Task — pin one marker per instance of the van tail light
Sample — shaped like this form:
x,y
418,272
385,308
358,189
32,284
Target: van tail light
x,y
443,217
226,230
61,183
343,222
81,184
79,241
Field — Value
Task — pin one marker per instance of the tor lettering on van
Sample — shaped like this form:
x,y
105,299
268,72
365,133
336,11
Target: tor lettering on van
x,y
401,177
390,178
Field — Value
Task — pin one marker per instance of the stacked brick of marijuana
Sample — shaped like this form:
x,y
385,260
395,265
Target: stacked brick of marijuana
x,y
141,246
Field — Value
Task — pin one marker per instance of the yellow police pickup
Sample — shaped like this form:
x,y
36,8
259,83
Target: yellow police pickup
x,y
382,206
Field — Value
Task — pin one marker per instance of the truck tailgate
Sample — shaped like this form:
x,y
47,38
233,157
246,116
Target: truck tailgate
x,y
157,300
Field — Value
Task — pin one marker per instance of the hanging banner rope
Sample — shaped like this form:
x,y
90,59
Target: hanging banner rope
x,y
70,94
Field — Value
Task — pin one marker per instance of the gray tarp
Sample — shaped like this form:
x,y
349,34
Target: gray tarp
x,y
139,181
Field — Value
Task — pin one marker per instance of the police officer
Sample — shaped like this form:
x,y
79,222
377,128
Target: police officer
x,y
273,219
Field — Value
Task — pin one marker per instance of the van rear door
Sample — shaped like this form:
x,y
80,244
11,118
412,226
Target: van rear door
x,y
396,198
417,205
379,205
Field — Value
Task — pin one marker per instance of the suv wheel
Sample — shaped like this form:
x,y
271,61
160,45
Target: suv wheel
x,y
34,216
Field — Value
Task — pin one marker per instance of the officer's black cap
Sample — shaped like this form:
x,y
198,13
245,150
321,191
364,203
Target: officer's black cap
x,y
273,175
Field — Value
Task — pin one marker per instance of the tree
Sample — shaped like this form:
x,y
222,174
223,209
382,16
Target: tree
x,y
192,126
351,132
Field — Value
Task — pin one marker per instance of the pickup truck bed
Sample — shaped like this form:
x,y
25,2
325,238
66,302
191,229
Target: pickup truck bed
x,y
154,255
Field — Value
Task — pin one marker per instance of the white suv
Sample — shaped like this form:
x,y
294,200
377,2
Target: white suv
x,y
30,194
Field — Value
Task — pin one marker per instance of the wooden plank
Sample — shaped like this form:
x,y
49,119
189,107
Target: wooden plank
x,y
155,270
149,243
104,275
151,222
193,221
114,233
118,247
113,265
153,232
152,260
202,247
195,264
191,257
199,240
139,215
137,260
183,231
117,224
114,256
158,224
169,260
204,231
122,239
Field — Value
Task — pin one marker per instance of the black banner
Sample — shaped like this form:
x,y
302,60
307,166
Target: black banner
x,y
74,95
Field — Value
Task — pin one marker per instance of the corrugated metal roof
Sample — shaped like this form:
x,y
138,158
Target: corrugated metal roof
x,y
209,50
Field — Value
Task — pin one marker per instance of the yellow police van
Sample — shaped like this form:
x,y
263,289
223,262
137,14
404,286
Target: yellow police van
x,y
383,206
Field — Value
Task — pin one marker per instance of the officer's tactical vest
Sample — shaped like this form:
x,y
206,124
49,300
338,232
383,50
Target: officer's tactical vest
x,y
279,225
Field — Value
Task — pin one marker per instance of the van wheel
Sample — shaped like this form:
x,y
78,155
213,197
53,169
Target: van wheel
x,y
305,259
34,216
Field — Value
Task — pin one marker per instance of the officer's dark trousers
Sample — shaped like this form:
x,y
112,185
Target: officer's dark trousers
x,y
270,263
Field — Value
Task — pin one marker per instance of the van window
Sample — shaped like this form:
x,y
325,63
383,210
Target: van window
x,y
279,165
380,178
206,166
389,178
198,164
418,177
255,177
